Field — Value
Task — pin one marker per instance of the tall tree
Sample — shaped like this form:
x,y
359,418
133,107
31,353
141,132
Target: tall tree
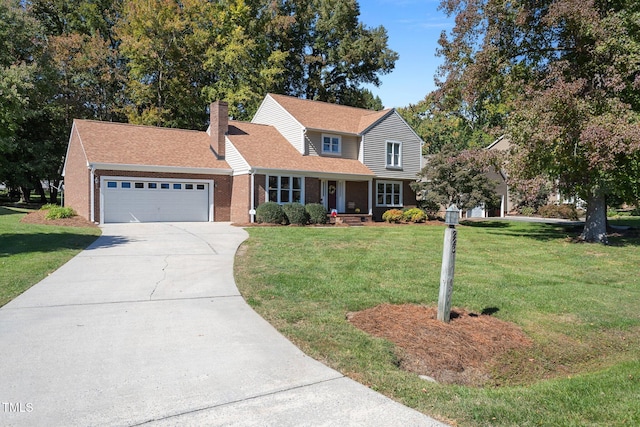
x,y
21,45
183,55
440,124
568,73
330,53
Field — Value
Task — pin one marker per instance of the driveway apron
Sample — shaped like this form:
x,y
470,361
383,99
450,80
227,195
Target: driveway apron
x,y
147,327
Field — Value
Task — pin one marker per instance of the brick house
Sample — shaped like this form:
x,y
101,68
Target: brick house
x,y
348,159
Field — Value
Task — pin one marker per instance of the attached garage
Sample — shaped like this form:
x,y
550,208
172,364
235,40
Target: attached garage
x,y
155,200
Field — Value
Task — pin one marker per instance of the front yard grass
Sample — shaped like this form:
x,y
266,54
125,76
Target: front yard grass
x,y
579,303
28,252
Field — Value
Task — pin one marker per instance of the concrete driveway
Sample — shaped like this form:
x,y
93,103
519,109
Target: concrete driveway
x,y
146,326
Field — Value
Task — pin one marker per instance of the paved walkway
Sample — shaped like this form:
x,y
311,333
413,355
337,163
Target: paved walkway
x,y
146,327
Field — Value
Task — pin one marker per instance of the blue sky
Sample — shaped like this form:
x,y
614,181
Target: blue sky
x,y
414,27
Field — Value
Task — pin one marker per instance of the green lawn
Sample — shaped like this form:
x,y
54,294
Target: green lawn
x,y
28,252
579,303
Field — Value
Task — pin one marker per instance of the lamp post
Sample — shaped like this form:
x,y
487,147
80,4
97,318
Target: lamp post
x,y
451,218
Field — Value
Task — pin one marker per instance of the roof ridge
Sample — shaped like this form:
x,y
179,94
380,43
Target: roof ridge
x,y
102,122
364,110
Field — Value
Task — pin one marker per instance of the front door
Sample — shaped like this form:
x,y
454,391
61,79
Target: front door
x,y
332,199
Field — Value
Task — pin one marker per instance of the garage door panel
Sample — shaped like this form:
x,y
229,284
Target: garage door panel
x,y
155,203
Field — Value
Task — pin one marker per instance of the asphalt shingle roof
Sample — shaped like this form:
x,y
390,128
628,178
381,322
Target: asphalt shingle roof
x,y
120,143
330,117
264,147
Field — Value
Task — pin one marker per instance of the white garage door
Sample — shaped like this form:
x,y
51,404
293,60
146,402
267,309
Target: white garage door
x,y
141,200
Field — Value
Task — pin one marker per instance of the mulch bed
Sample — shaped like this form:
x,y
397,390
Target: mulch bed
x,y
460,352
38,217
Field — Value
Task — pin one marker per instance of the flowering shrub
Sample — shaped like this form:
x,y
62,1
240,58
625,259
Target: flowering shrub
x,y
392,215
414,215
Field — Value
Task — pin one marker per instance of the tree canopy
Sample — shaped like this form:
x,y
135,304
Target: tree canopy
x,y
561,79
458,177
161,62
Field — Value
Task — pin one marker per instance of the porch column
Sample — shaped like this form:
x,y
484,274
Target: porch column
x,y
370,197
252,211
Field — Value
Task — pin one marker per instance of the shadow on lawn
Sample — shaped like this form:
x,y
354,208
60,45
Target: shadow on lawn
x,y
537,231
553,231
13,244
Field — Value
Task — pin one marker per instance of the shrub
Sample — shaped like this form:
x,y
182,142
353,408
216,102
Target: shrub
x,y
414,215
270,213
58,212
296,214
317,213
430,207
559,211
392,215
612,213
527,210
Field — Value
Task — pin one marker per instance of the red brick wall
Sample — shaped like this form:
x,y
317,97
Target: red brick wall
x,y
76,179
312,190
240,199
221,190
356,193
261,190
409,195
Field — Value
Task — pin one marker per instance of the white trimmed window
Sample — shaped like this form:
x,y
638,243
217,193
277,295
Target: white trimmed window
x,y
389,193
285,189
394,154
331,144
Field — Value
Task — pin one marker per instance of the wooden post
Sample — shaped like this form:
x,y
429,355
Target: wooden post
x,y
446,274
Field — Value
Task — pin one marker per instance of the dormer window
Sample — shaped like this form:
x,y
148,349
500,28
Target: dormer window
x,y
331,144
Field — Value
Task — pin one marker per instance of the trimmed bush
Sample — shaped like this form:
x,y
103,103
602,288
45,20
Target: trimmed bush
x,y
559,211
392,215
296,214
527,211
49,206
317,213
414,215
58,212
270,213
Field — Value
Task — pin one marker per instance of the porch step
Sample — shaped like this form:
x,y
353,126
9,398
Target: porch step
x,y
353,220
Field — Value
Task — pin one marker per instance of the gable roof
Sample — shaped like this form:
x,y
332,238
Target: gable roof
x,y
263,147
127,144
319,115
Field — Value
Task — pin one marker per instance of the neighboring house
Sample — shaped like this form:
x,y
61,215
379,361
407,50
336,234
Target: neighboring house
x,y
349,159
506,204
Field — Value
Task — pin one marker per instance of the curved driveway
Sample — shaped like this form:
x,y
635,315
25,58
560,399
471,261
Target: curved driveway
x,y
147,327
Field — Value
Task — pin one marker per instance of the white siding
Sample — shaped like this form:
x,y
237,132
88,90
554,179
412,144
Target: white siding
x,y
235,159
272,113
350,145
392,128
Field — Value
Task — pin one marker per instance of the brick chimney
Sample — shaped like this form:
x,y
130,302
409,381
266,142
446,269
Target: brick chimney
x,y
218,126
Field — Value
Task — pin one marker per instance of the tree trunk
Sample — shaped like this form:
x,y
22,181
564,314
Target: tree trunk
x,y
53,191
25,195
595,226
41,193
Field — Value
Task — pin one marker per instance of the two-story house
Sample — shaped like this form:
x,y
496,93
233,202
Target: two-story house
x,y
349,159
